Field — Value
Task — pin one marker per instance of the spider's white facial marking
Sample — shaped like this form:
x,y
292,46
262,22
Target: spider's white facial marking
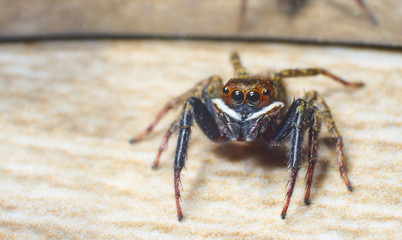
x,y
219,104
273,107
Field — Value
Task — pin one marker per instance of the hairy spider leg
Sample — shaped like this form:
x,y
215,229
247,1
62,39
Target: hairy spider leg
x,y
172,104
313,72
174,127
308,113
193,108
313,96
326,114
240,71
314,131
294,125
210,88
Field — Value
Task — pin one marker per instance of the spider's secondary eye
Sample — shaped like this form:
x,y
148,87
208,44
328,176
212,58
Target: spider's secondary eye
x,y
225,91
237,96
267,92
253,97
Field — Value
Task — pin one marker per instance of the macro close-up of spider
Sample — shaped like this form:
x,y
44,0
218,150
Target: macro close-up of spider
x,y
250,107
280,119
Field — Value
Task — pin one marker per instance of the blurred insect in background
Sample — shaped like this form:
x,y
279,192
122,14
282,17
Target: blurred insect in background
x,y
292,7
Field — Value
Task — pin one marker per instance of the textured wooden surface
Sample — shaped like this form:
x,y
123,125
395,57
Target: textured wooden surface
x,y
67,171
318,20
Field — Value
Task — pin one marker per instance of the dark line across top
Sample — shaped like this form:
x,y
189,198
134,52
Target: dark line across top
x,y
220,38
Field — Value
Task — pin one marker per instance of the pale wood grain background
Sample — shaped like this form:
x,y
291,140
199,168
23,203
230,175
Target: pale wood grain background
x,y
67,110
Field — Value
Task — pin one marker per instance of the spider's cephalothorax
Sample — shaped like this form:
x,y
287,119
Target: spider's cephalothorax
x,y
250,107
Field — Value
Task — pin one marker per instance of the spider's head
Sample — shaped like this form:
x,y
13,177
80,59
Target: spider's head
x,y
253,92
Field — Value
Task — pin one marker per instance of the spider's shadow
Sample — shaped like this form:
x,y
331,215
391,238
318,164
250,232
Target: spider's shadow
x,y
262,153
274,156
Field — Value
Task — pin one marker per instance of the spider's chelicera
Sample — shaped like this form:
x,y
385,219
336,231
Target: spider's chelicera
x,y
249,107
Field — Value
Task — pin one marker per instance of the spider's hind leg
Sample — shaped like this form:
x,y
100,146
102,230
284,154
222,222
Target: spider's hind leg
x,y
195,91
318,101
206,89
170,105
174,127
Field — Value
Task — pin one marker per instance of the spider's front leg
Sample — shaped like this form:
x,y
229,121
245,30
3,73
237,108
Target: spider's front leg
x,y
193,108
300,117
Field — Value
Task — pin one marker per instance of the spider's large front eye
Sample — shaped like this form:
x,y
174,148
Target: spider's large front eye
x,y
237,96
225,91
253,97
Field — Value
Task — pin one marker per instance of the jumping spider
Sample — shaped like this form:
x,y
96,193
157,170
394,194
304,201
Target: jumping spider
x,y
248,107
